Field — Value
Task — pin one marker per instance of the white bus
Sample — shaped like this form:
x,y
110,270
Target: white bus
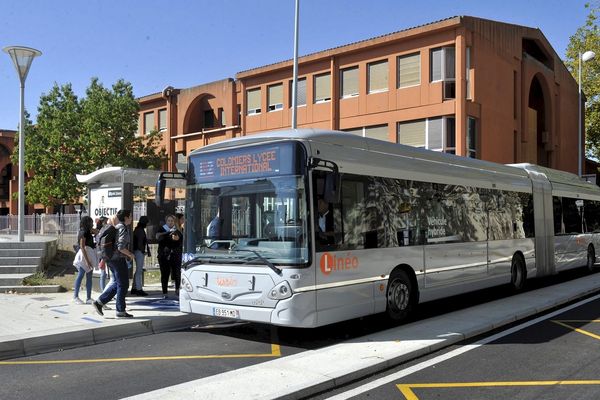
x,y
306,228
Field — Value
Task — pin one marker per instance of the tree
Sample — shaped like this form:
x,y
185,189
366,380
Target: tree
x,y
587,38
78,136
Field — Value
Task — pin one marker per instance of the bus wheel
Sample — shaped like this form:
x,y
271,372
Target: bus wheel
x,y
399,296
591,258
517,273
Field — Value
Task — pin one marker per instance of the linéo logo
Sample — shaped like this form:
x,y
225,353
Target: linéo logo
x,y
331,263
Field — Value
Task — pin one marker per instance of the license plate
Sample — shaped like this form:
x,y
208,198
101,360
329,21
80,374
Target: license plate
x,y
223,312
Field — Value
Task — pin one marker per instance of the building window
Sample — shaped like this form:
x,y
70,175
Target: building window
x,y
409,70
442,68
275,97
253,101
378,76
472,137
438,134
162,119
239,114
301,92
468,94
209,119
149,122
222,119
349,82
374,132
323,88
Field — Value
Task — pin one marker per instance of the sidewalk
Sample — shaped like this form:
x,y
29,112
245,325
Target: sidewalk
x,y
39,323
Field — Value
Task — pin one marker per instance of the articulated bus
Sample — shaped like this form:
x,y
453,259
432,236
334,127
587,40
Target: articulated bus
x,y
305,228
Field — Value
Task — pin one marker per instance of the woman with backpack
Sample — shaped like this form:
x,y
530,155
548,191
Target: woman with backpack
x,y
85,259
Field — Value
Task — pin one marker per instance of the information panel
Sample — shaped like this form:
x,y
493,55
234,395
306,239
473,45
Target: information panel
x,y
105,202
251,162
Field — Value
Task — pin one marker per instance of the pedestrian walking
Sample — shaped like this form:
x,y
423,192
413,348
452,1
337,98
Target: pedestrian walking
x,y
85,260
140,250
170,245
116,260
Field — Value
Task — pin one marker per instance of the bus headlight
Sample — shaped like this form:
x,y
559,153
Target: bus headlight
x,y
186,284
281,291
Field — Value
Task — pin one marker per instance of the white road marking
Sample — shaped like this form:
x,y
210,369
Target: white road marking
x,y
454,353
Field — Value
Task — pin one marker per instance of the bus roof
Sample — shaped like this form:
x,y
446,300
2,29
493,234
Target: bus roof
x,y
348,140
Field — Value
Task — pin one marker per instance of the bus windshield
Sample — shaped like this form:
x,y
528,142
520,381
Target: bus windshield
x,y
247,204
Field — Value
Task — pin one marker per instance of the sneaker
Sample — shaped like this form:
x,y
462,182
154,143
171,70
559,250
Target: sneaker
x,y
98,308
134,292
141,293
89,301
77,300
165,297
124,314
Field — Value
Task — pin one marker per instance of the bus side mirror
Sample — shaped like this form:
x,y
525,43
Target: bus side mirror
x,y
333,182
161,185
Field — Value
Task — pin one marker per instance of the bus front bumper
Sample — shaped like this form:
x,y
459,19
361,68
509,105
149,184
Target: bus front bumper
x,y
297,311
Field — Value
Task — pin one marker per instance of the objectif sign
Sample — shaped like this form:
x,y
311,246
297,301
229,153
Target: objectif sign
x,y
334,263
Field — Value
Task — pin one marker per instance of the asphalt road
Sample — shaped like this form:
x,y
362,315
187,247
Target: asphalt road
x,y
132,366
556,358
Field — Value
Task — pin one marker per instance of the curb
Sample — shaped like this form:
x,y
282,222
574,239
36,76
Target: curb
x,y
31,289
61,339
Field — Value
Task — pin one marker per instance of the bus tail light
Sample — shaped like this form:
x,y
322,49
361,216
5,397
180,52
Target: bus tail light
x,y
281,291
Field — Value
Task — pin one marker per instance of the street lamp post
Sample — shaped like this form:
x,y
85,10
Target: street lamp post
x,y
22,58
588,55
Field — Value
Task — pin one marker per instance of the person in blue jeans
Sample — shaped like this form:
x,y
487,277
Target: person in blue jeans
x,y
140,249
85,240
118,267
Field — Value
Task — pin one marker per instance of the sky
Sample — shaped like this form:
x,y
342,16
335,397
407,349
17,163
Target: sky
x,y
184,43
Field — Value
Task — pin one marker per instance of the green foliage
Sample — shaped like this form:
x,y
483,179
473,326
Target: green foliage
x,y
79,136
587,38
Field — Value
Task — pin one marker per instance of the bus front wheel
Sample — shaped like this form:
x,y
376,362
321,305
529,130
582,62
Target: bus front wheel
x,y
400,296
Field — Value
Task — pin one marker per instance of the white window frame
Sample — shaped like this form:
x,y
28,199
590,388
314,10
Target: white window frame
x,y
371,91
254,111
444,133
159,120
418,54
274,106
153,123
348,96
323,100
291,90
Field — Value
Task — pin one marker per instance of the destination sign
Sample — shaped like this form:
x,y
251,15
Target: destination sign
x,y
251,162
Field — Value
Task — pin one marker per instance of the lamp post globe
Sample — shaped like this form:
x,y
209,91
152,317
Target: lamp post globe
x,y
22,58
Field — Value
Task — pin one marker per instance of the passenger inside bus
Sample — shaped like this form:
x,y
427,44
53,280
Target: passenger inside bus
x,y
325,233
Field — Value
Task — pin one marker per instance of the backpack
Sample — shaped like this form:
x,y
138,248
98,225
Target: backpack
x,y
107,242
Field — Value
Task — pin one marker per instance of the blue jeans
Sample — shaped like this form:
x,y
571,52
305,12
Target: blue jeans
x,y
88,283
139,269
121,275
103,276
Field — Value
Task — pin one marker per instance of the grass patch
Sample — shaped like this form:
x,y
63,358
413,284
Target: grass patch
x,y
151,277
37,279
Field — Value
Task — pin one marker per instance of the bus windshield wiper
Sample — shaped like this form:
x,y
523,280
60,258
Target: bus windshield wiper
x,y
261,258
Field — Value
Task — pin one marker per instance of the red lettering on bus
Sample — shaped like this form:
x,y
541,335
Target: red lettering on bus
x,y
330,263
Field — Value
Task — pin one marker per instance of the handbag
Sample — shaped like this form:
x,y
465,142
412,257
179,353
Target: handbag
x,y
79,260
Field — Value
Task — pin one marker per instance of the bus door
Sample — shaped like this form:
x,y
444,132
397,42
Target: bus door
x,y
341,268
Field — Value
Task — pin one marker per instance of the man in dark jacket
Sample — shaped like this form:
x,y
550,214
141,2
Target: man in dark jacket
x,y
118,266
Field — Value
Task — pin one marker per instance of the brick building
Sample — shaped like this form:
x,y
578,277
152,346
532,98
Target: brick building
x,y
463,85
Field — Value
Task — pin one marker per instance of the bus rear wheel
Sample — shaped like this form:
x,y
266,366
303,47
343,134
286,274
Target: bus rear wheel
x,y
591,258
517,273
400,296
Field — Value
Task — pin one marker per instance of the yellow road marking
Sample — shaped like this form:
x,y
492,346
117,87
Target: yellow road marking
x,y
275,352
406,389
579,330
